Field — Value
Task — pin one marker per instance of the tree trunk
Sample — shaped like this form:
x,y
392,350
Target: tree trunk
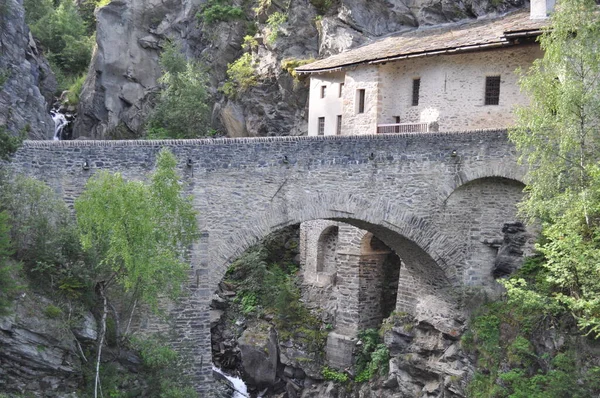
x,y
100,287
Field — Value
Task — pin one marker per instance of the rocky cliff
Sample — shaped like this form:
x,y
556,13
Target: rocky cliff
x,y
26,81
122,80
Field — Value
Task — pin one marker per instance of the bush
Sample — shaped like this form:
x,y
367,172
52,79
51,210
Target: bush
x,y
74,90
8,285
333,375
240,76
163,367
9,143
290,64
373,356
220,11
182,110
62,33
42,229
274,23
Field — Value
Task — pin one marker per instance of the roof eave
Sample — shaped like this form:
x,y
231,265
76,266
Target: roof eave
x,y
508,38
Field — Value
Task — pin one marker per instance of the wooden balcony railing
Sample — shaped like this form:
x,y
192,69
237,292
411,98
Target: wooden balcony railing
x,y
407,128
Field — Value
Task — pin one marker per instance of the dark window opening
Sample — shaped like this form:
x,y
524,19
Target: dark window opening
x,y
361,101
341,90
321,126
415,91
492,90
338,130
323,89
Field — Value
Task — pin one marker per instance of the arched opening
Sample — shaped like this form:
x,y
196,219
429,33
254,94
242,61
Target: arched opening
x,y
379,270
326,250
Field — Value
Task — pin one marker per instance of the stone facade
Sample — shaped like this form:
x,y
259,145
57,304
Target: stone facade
x,y
398,187
451,93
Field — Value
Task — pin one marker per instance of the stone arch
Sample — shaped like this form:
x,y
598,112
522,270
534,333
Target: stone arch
x,y
326,249
509,170
476,212
433,260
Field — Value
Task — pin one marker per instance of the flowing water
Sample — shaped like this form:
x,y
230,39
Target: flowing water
x,y
239,387
60,122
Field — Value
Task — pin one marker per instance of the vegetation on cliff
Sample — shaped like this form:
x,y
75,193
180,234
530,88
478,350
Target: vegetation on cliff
x,y
64,36
541,341
125,246
182,109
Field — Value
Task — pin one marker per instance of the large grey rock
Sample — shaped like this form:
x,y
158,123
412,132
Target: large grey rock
x,y
29,85
124,69
258,347
38,354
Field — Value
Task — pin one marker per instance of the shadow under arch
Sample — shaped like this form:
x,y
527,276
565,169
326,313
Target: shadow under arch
x,y
428,254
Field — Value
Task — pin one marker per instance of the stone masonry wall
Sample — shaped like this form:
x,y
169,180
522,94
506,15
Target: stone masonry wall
x,y
394,186
452,92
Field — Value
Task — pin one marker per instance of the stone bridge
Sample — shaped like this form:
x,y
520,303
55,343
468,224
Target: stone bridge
x,y
433,198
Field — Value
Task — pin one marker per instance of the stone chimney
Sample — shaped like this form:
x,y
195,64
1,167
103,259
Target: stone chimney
x,y
540,9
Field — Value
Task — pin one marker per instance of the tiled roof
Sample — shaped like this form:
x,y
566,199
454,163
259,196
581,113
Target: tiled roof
x,y
456,37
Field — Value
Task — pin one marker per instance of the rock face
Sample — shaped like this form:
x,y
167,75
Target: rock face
x,y
38,352
122,80
26,82
512,249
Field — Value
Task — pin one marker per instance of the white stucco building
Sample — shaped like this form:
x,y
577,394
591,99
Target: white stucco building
x,y
460,76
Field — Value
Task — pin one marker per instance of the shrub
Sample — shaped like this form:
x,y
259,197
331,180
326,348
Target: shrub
x,y
42,229
8,284
290,64
163,368
274,23
9,143
373,356
182,110
333,375
75,90
220,11
52,311
240,76
4,76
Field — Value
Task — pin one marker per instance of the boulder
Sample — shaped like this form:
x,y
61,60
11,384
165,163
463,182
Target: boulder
x,y
258,348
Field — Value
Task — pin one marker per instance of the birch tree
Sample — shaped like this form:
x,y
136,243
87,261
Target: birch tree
x,y
138,232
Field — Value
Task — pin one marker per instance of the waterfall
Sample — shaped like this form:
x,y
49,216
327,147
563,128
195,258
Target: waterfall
x,y
60,122
239,387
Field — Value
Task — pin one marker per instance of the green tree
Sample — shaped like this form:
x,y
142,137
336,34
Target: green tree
x,y
558,137
139,233
182,110
63,35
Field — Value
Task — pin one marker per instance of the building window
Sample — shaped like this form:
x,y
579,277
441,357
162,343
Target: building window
x,y
341,90
492,90
338,129
415,91
360,98
323,90
321,126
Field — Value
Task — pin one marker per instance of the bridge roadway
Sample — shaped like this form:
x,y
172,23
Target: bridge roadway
x,y
432,197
